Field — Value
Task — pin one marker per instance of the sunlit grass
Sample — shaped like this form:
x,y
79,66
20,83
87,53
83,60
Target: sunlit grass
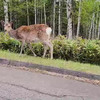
x,y
88,68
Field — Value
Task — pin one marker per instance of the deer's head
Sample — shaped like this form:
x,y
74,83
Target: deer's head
x,y
7,26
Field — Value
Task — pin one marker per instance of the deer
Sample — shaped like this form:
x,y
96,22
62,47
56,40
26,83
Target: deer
x,y
32,33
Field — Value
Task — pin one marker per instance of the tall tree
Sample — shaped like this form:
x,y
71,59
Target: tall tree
x,y
98,30
54,5
79,18
45,14
59,20
91,27
10,11
27,12
6,10
35,11
69,18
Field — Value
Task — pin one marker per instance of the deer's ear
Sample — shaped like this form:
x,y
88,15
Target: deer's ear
x,y
2,22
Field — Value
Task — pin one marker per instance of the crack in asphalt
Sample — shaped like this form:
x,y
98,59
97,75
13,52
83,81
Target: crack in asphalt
x,y
33,90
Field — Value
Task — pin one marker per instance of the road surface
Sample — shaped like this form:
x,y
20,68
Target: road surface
x,y
18,84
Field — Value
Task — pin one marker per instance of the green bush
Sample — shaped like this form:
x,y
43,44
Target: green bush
x,y
37,48
7,43
62,48
78,50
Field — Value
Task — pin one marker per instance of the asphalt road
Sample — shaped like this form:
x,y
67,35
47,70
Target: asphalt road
x,y
18,84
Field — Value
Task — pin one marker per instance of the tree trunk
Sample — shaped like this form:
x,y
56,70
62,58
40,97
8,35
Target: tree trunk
x,y
90,30
27,12
6,10
69,18
54,4
79,19
10,5
99,29
41,16
93,26
35,11
96,26
45,14
59,20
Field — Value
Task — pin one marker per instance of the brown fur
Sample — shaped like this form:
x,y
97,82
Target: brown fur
x,y
25,29
38,31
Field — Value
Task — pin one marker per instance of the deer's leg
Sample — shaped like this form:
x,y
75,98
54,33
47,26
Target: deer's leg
x,y
31,49
45,50
23,43
50,45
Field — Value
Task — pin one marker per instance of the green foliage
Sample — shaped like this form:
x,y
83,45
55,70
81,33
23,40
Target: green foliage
x,y
8,43
78,50
62,48
37,47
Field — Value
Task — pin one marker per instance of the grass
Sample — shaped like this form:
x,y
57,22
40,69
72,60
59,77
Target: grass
x,y
88,68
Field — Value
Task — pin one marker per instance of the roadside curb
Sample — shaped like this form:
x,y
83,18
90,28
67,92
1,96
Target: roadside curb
x,y
50,69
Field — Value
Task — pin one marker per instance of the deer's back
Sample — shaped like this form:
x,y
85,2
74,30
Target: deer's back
x,y
32,32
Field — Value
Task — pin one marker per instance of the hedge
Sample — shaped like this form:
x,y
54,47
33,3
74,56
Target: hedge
x,y
81,50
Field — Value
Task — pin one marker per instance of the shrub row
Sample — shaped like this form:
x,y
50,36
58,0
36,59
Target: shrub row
x,y
78,50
